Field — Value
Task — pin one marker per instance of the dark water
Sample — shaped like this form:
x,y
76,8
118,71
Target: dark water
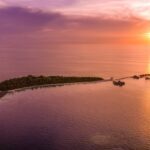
x,y
95,116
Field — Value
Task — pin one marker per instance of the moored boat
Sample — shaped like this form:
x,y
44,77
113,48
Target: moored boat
x,y
119,83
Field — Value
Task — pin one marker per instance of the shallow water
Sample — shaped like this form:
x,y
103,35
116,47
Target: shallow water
x,y
95,116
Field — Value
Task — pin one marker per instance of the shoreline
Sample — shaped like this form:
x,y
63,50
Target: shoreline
x,y
95,80
3,93
52,85
30,81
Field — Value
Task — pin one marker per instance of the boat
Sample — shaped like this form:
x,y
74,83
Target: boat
x,y
119,83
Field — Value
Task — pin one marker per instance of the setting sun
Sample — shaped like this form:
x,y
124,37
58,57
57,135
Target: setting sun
x,y
147,35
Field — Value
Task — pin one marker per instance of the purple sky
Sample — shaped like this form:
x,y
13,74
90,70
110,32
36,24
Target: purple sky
x,y
88,7
73,19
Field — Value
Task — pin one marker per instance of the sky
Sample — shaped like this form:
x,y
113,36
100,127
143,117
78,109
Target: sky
x,y
53,21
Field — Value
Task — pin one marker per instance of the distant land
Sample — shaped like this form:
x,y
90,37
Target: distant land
x,y
30,80
38,81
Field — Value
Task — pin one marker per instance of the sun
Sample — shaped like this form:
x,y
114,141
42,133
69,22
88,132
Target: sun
x,y
147,35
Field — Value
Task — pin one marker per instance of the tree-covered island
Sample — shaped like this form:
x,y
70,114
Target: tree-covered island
x,y
28,81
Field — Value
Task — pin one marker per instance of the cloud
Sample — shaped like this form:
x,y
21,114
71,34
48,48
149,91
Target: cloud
x,y
20,20
41,4
2,3
72,20
23,25
17,19
86,7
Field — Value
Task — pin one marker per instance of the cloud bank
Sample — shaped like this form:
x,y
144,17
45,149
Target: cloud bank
x,y
19,22
88,7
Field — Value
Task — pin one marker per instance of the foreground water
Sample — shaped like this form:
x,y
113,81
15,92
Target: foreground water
x,y
95,116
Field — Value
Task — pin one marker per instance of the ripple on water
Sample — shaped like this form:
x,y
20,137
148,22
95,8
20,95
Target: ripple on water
x,y
107,141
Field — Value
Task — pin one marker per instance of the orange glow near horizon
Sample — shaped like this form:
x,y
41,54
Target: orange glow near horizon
x,y
143,38
147,35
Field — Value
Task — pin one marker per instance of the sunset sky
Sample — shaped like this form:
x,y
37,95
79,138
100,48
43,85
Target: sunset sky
x,y
74,20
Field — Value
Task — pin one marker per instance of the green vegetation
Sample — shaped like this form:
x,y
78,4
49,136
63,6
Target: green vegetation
x,y
141,76
136,77
30,80
147,78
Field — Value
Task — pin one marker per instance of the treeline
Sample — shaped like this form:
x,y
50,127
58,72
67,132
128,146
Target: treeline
x,y
30,80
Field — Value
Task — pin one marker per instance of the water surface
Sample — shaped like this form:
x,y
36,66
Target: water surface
x,y
75,59
95,116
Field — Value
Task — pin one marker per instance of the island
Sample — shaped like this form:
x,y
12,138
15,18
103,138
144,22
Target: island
x,y
30,80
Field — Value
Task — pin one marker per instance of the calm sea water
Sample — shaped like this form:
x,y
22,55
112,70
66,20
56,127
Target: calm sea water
x,y
80,60
94,116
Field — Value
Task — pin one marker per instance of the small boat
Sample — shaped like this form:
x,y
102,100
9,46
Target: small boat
x,y
119,83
